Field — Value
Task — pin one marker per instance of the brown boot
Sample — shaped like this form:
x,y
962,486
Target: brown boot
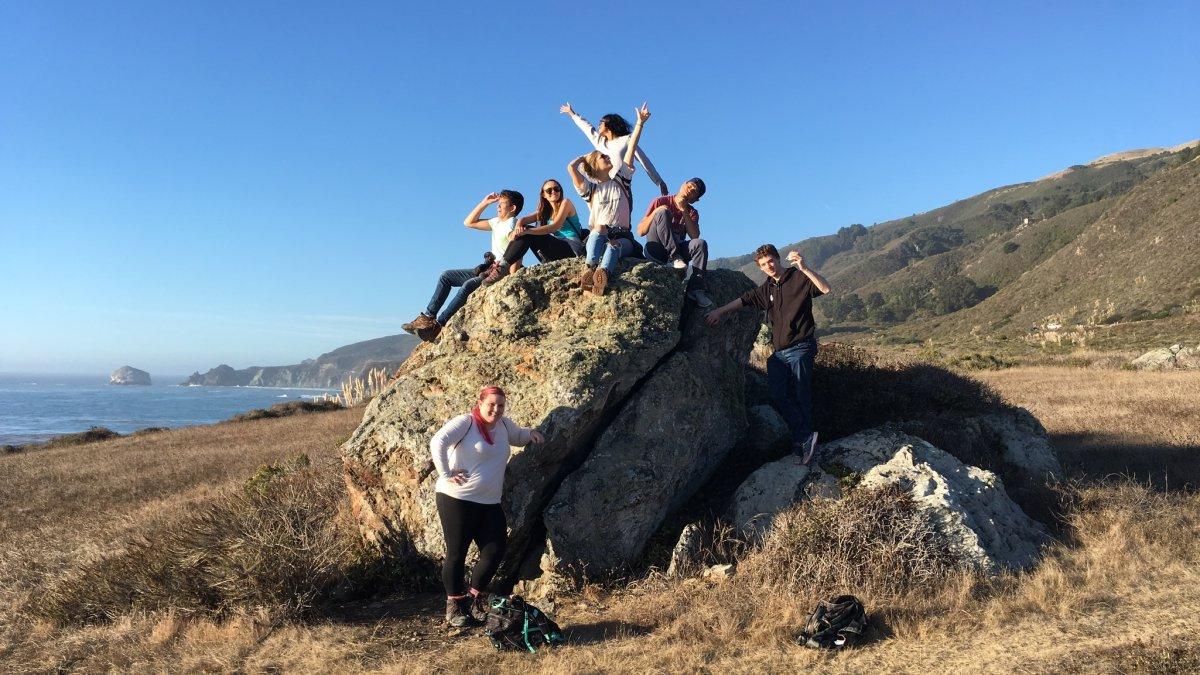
x,y
599,282
422,321
458,612
430,333
586,279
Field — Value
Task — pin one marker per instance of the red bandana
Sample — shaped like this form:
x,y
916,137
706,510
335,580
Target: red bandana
x,y
483,429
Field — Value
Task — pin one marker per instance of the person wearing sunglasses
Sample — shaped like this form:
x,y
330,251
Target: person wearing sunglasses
x,y
552,232
605,186
613,138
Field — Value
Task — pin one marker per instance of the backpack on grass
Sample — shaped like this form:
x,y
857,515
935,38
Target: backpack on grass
x,y
512,623
838,623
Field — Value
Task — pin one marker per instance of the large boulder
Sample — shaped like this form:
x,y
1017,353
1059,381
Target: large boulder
x,y
1175,357
577,367
662,446
126,375
966,504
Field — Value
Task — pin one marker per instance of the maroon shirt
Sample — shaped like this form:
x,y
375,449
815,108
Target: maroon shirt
x,y
677,217
788,303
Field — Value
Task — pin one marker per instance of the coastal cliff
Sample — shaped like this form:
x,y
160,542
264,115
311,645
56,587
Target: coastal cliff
x,y
326,371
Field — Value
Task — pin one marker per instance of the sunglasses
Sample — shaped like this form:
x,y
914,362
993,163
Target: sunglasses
x,y
552,190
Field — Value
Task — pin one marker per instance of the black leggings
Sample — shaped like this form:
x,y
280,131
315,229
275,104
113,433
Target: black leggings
x,y
462,522
546,247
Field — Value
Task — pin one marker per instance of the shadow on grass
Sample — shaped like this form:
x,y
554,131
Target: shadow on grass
x,y
602,631
1100,456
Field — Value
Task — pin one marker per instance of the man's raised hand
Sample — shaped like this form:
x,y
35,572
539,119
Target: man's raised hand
x,y
796,259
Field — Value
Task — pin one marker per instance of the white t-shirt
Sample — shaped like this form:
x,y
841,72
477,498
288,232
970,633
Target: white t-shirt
x,y
608,202
460,445
501,229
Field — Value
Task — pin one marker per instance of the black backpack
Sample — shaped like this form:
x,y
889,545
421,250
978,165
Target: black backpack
x,y
512,623
838,623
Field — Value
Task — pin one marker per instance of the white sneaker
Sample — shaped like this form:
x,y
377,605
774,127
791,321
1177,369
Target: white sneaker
x,y
700,298
810,446
679,264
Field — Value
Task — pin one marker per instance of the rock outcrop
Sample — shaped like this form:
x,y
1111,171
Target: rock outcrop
x,y
1175,357
129,375
622,386
968,505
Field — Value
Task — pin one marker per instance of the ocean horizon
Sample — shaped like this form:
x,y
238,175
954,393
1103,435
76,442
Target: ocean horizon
x,y
35,407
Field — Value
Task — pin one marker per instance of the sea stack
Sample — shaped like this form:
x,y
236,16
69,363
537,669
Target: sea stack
x,y
129,375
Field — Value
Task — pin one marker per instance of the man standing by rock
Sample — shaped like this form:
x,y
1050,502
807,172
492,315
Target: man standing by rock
x,y
787,296
669,222
429,323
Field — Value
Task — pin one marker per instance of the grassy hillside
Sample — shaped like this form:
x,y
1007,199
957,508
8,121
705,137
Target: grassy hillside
x,y
974,265
1130,561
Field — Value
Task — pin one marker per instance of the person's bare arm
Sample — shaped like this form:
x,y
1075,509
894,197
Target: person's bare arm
x,y
643,114
473,220
691,221
576,174
564,209
643,227
819,281
584,125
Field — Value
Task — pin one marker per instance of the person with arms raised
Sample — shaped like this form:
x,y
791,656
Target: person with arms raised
x,y
612,138
605,186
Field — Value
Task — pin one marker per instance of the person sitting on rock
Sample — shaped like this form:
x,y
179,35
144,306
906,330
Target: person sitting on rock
x,y
470,454
556,236
787,297
612,138
669,222
429,323
606,188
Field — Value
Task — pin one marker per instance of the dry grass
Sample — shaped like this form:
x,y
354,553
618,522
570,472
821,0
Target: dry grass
x,y
1121,597
1114,421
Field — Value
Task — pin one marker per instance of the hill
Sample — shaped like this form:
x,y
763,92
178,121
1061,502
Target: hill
x,y
326,371
1008,256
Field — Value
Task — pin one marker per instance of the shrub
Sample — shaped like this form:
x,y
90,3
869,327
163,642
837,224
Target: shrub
x,y
92,435
283,546
288,409
873,542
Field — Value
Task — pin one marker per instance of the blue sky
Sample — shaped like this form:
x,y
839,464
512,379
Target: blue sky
x,y
187,184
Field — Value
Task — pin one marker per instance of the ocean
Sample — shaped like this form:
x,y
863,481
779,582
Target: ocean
x,y
35,407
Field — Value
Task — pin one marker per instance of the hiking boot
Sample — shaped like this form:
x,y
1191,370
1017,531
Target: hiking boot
x,y
599,282
423,320
495,273
429,333
586,279
700,298
457,612
479,607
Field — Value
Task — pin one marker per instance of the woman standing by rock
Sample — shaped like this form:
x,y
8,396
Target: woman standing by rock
x,y
470,454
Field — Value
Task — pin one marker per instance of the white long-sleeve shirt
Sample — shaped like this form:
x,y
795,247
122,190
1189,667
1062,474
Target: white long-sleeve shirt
x,y
615,149
460,445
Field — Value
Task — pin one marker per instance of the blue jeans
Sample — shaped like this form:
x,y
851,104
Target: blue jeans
x,y
789,378
465,280
613,250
